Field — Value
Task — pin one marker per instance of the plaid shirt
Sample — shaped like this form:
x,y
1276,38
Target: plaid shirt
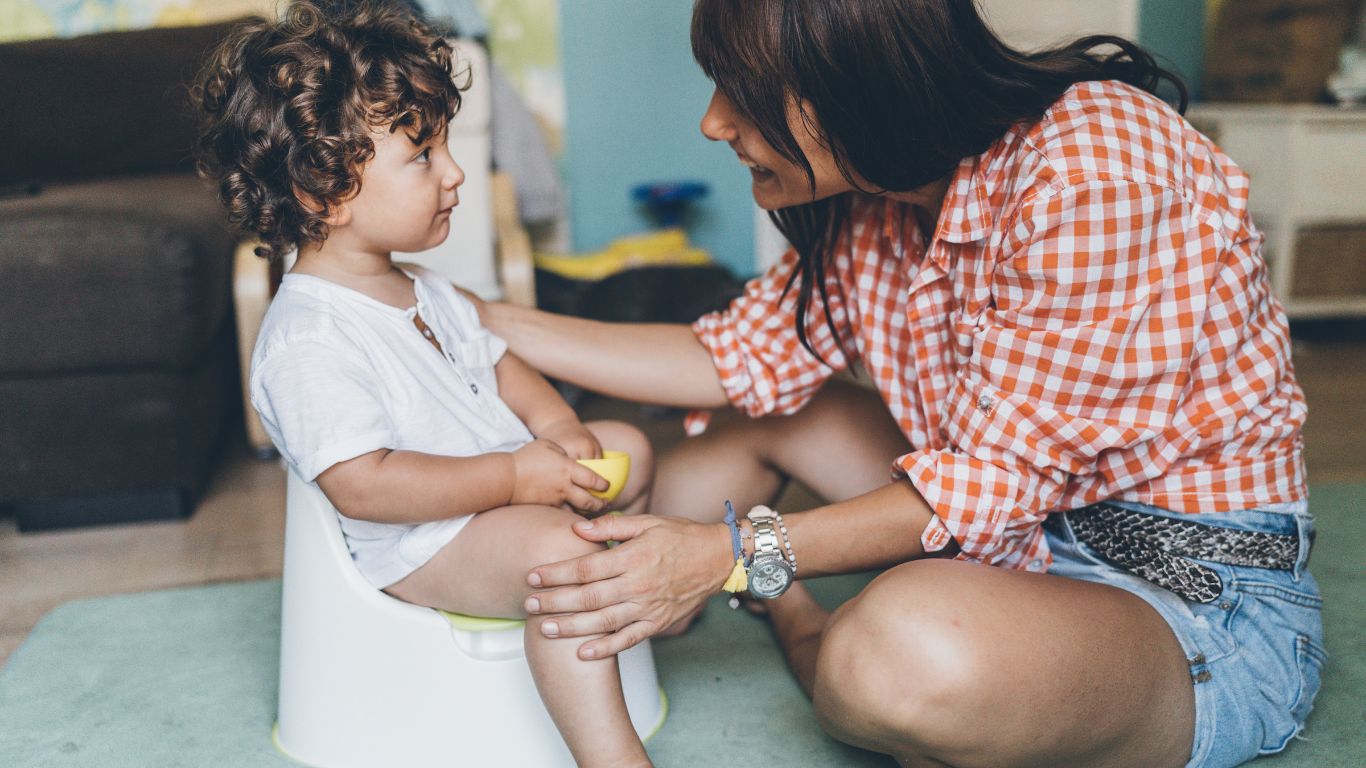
x,y
1092,320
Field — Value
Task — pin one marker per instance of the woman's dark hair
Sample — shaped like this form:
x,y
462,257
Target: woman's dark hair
x,y
288,108
899,90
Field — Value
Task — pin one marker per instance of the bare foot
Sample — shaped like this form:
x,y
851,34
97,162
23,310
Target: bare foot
x,y
798,621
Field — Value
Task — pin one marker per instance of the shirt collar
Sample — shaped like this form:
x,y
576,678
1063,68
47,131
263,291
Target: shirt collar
x,y
966,215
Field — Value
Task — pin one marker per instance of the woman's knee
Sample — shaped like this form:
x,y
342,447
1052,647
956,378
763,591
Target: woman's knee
x,y
895,666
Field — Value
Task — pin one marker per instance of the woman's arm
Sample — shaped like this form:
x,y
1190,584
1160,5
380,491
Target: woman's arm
x,y
665,567
659,363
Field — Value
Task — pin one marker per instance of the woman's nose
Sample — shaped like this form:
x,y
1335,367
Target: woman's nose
x,y
718,122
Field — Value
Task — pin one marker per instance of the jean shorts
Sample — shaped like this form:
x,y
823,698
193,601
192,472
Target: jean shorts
x,y
1255,654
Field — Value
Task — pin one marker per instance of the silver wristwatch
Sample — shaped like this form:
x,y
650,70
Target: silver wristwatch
x,y
770,573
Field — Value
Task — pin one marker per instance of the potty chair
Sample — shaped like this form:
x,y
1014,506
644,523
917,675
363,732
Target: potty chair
x,y
367,680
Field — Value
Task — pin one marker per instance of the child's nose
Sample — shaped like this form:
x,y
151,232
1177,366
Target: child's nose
x,y
455,175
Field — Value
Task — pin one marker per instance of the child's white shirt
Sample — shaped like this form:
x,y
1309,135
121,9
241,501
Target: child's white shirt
x,y
336,374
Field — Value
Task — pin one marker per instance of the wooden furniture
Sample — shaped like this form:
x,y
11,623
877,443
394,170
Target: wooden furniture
x,y
1307,164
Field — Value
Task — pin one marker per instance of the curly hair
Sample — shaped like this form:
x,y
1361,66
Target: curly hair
x,y
288,108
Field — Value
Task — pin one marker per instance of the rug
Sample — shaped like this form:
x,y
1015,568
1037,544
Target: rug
x,y
186,677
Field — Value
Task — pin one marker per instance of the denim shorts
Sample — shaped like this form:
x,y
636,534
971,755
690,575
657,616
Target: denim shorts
x,y
1255,653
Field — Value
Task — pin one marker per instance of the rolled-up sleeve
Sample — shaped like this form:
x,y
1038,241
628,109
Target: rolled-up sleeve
x,y
761,362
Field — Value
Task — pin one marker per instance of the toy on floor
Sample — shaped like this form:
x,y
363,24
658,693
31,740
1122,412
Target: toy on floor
x,y
666,246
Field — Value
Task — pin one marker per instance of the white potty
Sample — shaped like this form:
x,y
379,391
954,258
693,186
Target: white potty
x,y
367,680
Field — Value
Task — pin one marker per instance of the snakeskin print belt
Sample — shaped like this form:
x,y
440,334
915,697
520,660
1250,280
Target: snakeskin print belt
x,y
1160,549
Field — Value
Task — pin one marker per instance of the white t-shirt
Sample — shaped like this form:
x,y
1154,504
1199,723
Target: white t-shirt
x,y
337,374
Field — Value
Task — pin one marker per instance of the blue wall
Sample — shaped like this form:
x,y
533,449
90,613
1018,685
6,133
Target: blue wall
x,y
634,98
1174,31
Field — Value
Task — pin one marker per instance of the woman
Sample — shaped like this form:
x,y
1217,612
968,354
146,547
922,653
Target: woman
x,y
1080,457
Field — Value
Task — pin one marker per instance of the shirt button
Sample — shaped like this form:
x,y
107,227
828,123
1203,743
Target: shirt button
x,y
985,404
474,388
1036,565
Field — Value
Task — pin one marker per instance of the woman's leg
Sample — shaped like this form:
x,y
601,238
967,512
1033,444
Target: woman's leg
x,y
482,572
945,662
840,445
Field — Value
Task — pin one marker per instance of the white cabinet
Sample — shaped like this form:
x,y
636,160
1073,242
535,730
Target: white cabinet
x,y
1307,165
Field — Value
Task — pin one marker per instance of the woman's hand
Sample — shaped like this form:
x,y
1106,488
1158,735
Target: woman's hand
x,y
662,569
571,435
545,474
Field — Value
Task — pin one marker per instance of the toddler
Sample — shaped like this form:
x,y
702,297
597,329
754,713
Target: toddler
x,y
451,461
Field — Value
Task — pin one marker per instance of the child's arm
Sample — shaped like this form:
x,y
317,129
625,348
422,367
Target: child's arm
x,y
389,486
542,409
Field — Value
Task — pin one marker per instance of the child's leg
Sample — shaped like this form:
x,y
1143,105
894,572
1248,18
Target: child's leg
x,y
620,436
635,497
483,572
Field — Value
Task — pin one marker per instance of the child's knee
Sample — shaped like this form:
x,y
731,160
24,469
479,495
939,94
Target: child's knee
x,y
642,453
621,436
553,539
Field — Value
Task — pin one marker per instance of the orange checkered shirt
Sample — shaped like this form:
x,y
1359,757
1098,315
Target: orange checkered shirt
x,y
1091,320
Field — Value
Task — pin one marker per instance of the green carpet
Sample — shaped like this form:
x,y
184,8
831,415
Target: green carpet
x,y
186,677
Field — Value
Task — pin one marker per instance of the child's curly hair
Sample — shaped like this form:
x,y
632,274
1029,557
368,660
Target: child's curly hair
x,y
288,108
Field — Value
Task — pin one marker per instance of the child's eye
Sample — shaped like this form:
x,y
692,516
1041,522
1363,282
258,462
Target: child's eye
x,y
425,155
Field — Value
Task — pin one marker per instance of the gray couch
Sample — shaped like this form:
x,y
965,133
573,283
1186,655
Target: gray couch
x,y
118,366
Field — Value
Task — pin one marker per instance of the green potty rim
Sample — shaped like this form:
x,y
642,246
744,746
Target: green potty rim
x,y
480,624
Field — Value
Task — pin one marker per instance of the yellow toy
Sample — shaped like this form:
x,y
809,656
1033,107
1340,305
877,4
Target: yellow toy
x,y
665,247
614,467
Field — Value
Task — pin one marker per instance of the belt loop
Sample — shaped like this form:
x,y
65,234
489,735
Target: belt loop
x,y
1065,524
1304,526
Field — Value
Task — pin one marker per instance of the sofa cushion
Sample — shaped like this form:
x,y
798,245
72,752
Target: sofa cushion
x,y
100,105
134,272
122,429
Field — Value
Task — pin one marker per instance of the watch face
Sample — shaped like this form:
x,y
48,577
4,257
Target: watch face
x,y
769,577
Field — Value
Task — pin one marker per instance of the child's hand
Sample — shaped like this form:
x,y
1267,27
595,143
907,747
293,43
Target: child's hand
x,y
545,474
574,438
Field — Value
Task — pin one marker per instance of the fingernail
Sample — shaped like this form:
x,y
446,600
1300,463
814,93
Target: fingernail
x,y
532,605
584,525
550,629
589,653
534,579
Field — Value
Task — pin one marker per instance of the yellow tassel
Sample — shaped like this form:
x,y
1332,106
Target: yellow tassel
x,y
738,580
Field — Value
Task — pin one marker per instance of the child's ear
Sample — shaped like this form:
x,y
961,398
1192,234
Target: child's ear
x,y
339,216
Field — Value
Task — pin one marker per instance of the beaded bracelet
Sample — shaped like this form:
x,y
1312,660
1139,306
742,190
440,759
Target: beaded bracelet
x,y
787,541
